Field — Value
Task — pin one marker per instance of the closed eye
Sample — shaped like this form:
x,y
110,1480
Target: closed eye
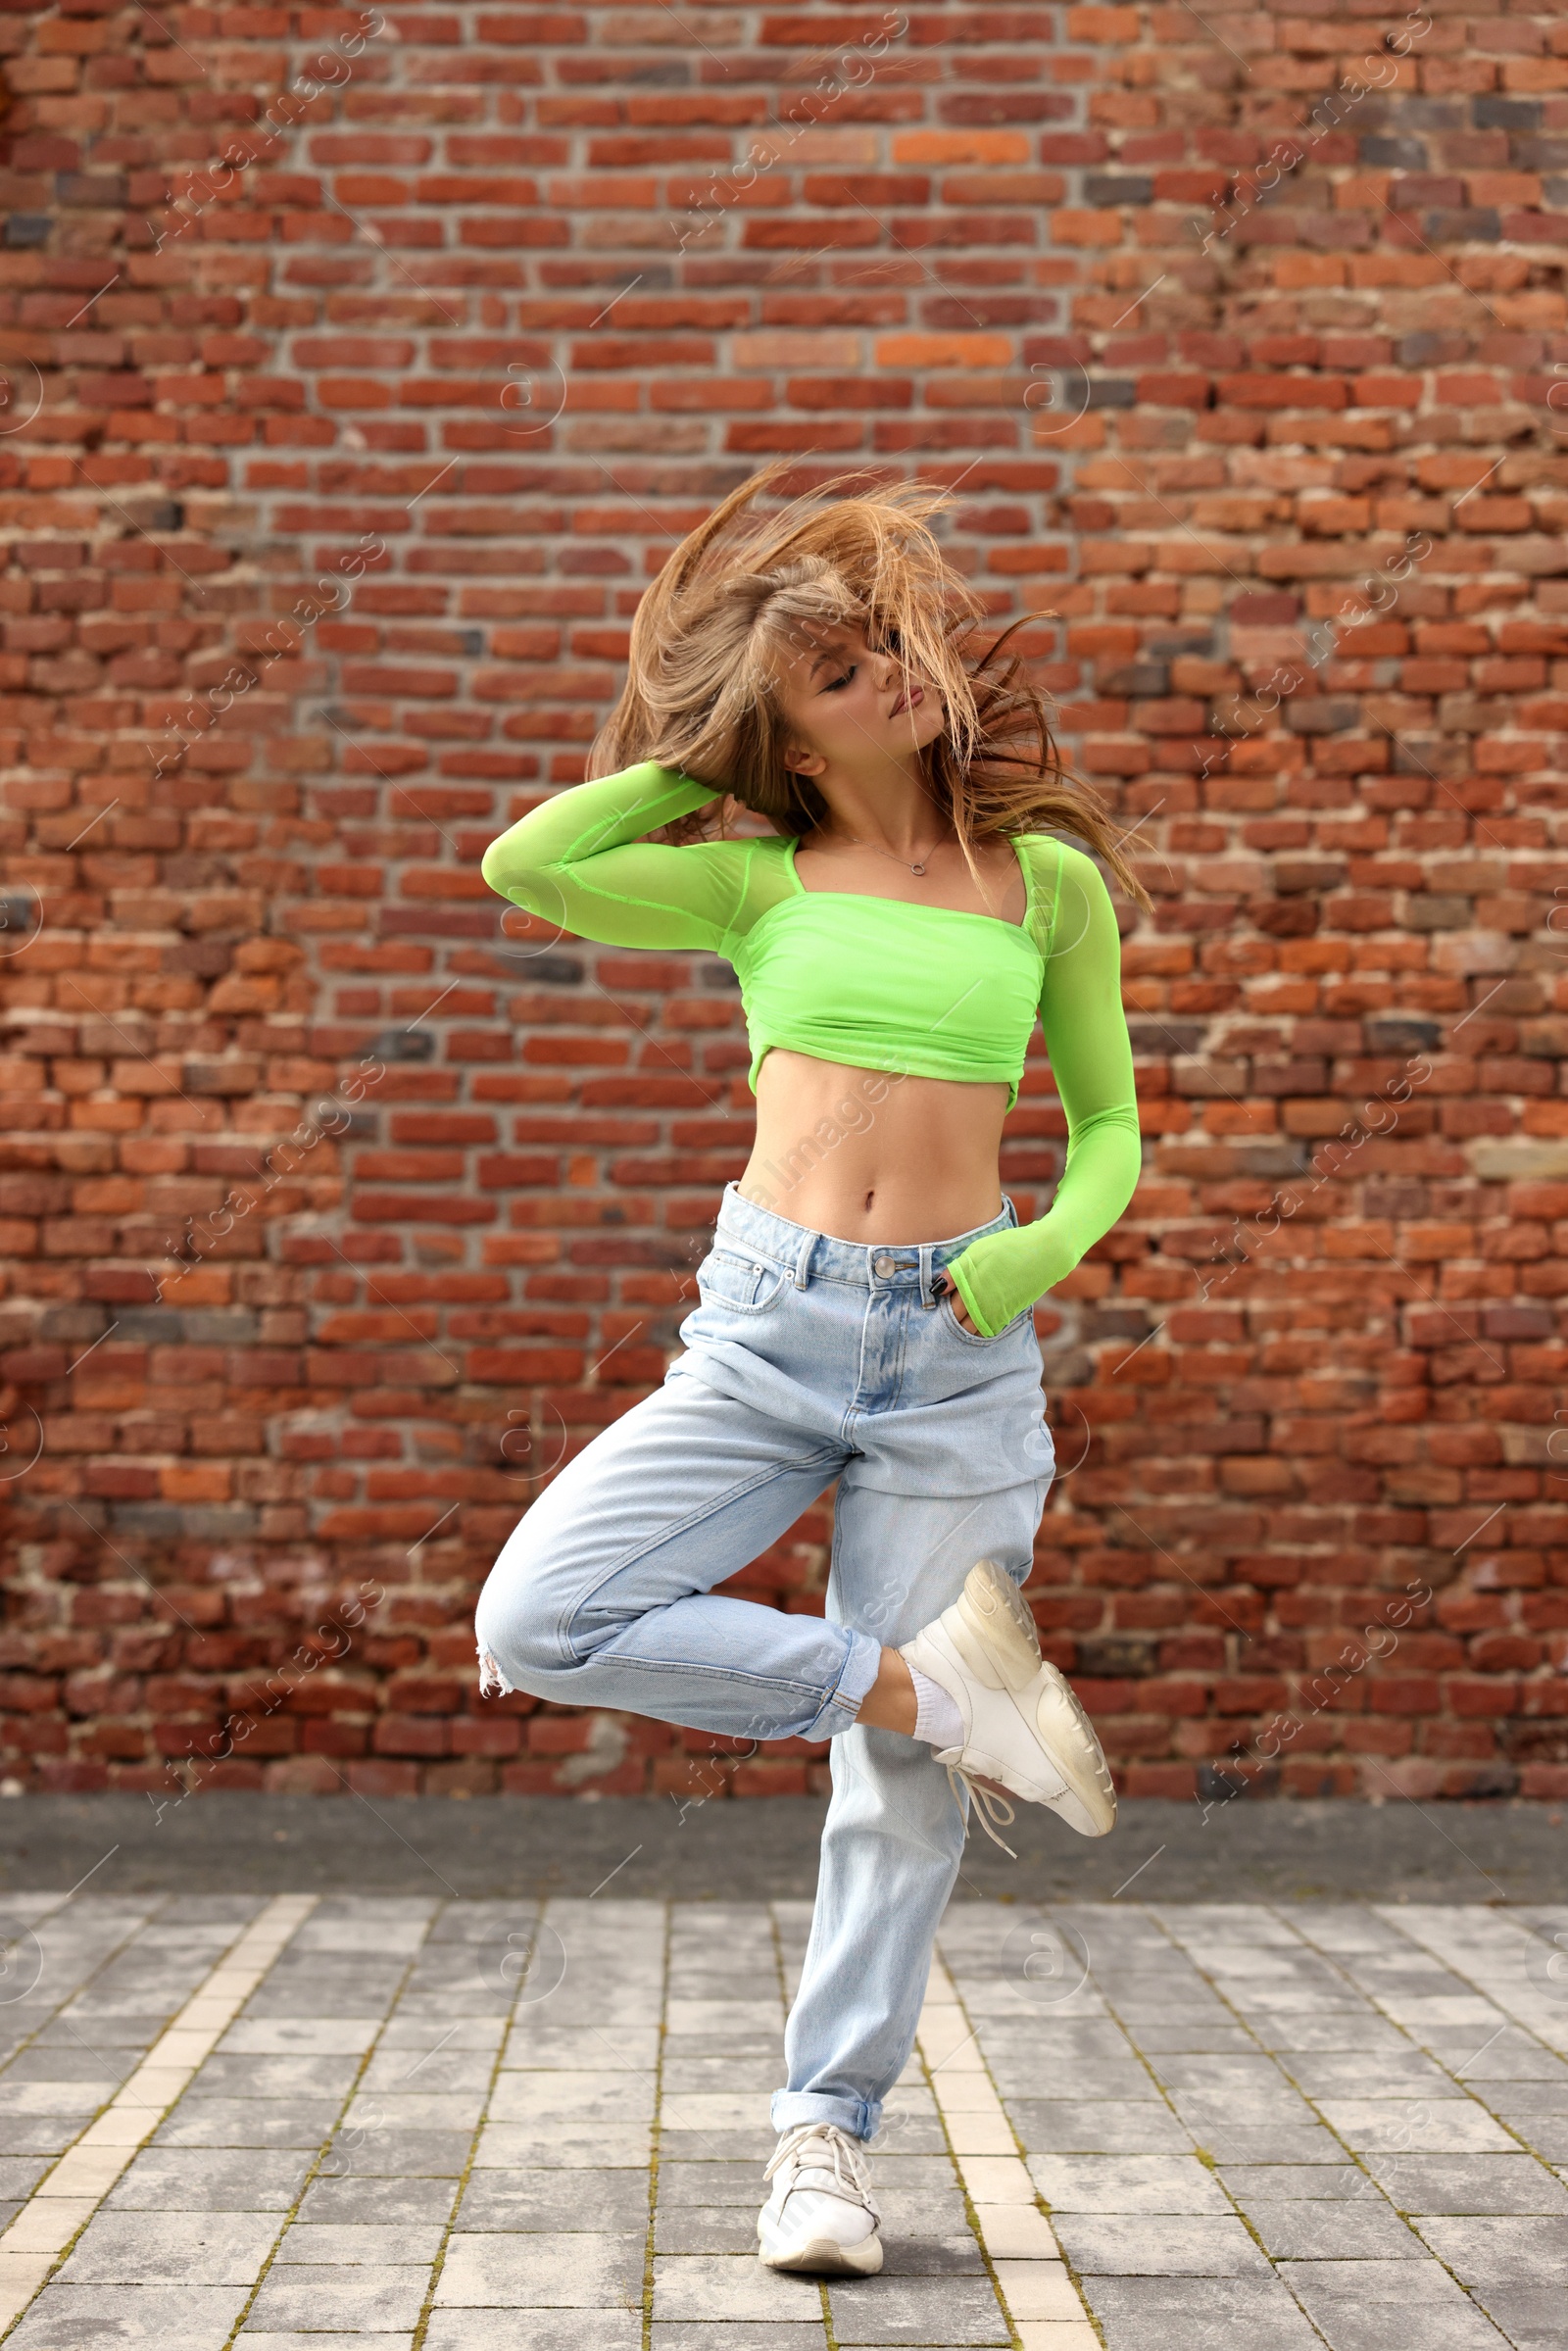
x,y
834,683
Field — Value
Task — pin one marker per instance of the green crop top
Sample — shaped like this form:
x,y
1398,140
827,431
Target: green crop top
x,y
872,982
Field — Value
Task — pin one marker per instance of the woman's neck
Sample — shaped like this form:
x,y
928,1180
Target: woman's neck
x,y
899,815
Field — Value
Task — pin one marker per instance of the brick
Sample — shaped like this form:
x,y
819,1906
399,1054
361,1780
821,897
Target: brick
x,y
1351,846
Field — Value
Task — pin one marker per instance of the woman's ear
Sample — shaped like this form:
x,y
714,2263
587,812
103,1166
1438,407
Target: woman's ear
x,y
799,759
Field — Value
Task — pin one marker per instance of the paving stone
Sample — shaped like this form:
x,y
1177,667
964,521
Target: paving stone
x,y
1385,2326
320,2300
1511,2055
403,2154
324,2342
19,2174
706,2229
730,2286
550,2237
84,2068
248,2122
1124,2127
275,2077
410,2111
1502,2250
1366,2230
581,2048
558,2200
1424,2126
534,2330
580,2271
1133,2246
729,2182
210,2180
578,2099
1277,2183
1383,2074
1131,2183
149,2248
1317,2283
82,2097
761,2335
360,2243
1354,2030
449,2071
1198,2034
1434,2183
1200,2313
377,2203
39,2135
892,2309
755,2077
1296,2143
1097,2078
925,2253
508,2146
186,2317
1531,2317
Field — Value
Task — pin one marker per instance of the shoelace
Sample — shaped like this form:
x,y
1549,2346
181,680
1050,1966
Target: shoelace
x,y
848,2165
984,1802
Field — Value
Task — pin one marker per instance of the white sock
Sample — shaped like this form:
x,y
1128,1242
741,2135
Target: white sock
x,y
936,1712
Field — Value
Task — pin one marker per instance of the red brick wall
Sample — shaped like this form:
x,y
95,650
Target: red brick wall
x,y
490,318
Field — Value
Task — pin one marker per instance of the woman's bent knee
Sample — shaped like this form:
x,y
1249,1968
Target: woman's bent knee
x,y
519,1639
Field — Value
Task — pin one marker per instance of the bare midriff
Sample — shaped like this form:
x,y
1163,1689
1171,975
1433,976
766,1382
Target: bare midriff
x,y
868,1155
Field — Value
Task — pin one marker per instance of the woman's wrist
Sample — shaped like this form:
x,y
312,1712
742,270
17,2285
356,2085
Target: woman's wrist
x,y
1002,1273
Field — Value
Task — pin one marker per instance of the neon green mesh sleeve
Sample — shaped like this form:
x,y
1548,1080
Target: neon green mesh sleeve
x,y
1092,1062
577,863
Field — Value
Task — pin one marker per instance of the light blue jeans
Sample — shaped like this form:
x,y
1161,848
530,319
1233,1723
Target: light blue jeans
x,y
808,1359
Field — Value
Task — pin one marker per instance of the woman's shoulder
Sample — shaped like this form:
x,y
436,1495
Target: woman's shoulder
x,y
1053,861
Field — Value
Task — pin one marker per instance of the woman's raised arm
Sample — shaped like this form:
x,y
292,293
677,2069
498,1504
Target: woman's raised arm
x,y
579,862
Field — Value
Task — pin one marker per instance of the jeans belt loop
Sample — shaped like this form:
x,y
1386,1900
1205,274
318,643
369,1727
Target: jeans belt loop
x,y
927,1270
803,1261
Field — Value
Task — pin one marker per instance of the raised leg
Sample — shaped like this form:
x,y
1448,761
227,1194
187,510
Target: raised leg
x,y
603,1595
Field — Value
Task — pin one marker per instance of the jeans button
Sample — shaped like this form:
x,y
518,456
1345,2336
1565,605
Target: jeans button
x,y
882,1266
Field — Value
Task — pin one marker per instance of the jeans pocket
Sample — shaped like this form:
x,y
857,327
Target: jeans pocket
x,y
956,1329
740,1284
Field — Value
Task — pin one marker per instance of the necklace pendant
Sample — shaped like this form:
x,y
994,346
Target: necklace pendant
x,y
918,870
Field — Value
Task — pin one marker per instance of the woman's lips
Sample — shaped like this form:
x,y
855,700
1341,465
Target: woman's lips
x,y
910,701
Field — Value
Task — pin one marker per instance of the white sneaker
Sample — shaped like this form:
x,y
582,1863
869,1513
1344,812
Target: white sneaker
x,y
820,2215
1022,1725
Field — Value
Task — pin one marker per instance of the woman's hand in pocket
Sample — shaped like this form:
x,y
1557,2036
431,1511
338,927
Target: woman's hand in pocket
x,y
944,1285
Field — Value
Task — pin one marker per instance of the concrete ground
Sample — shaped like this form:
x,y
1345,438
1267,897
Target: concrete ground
x,y
758,1850
425,2118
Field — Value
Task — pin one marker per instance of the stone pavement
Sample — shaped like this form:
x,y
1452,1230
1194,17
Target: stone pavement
x,y
399,2121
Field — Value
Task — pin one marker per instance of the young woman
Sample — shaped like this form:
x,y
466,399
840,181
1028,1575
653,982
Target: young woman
x,y
865,1310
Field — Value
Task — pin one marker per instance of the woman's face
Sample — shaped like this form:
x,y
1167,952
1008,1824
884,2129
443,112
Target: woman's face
x,y
852,710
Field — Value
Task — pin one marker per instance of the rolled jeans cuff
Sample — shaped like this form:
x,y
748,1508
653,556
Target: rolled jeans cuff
x,y
863,1662
857,2117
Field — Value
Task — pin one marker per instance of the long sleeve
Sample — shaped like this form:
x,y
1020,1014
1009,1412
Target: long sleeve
x,y
1092,1062
579,863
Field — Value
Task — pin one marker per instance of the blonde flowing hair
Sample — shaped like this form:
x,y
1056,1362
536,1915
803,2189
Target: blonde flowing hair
x,y
741,594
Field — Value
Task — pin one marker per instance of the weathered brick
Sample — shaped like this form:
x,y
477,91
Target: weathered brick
x,y
1316,1365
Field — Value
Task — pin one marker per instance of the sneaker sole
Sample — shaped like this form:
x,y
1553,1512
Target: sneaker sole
x,y
825,2257
1063,1728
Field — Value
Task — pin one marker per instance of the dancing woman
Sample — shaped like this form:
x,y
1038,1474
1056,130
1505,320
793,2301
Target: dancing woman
x,y
865,1310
